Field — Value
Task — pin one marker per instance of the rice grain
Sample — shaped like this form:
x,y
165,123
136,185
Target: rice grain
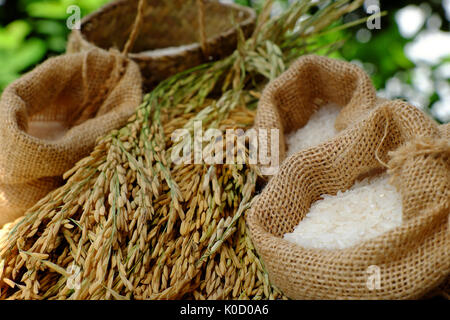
x,y
368,209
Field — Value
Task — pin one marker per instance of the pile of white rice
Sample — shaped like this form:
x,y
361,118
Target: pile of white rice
x,y
319,128
366,210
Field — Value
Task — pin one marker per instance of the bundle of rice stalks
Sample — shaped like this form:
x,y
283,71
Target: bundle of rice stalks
x,y
130,223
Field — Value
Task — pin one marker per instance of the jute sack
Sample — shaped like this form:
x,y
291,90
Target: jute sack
x,y
51,117
174,35
413,258
444,290
312,81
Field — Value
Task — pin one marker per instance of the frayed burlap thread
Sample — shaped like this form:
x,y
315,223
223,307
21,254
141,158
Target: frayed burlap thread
x,y
413,259
86,95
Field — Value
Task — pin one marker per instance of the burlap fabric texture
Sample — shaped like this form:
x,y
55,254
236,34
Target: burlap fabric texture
x,y
166,24
51,117
312,81
445,130
413,259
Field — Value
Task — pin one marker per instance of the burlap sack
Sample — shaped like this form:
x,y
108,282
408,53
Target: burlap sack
x,y
51,117
413,258
445,130
172,24
312,81
444,290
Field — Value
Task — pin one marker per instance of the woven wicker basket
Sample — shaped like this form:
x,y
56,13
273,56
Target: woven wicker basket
x,y
169,38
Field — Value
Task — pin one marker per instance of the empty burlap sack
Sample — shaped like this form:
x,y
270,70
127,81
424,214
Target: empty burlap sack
x,y
312,81
51,117
413,258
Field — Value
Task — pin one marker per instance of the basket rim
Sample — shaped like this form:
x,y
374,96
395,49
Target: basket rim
x,y
258,223
193,47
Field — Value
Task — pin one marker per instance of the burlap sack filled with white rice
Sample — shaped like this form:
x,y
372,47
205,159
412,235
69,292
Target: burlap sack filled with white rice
x,y
310,83
51,117
413,258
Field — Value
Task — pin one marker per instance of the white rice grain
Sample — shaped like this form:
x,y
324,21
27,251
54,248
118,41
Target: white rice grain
x,y
365,211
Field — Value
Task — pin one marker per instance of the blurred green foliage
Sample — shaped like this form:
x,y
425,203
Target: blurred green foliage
x,y
16,53
382,55
32,30
385,52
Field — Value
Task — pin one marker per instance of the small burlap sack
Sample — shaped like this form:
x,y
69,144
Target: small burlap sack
x,y
312,81
51,117
413,258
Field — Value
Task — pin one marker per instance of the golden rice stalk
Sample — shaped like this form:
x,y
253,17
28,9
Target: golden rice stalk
x,y
129,223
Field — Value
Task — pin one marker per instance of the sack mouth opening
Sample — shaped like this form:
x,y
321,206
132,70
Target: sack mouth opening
x,y
70,106
48,130
312,83
50,126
